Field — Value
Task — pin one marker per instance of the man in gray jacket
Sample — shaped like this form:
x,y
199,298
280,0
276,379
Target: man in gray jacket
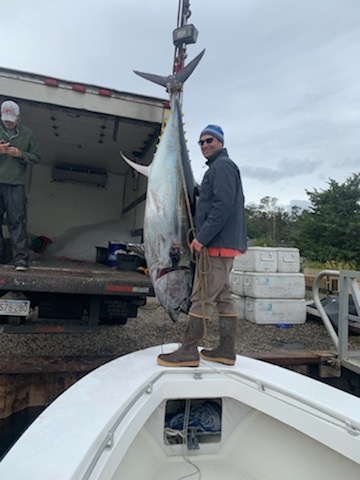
x,y
221,236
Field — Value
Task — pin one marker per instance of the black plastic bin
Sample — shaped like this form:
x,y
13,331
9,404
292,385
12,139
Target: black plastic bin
x,y
129,262
102,254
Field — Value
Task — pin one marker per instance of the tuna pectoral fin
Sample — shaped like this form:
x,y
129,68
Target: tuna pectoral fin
x,y
143,169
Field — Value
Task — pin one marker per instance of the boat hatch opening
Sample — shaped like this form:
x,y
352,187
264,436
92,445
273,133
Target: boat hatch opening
x,y
192,422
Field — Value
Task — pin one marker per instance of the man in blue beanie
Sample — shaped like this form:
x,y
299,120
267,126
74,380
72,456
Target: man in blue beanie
x,y
221,236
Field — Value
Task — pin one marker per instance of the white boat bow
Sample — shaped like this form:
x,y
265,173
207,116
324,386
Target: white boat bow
x,y
112,424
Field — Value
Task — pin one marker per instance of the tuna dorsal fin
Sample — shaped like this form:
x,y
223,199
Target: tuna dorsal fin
x,y
177,80
143,169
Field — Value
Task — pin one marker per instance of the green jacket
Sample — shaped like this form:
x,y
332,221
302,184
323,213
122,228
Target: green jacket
x,y
13,170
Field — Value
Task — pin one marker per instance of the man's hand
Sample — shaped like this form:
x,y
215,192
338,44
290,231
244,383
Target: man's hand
x,y
196,246
4,147
14,152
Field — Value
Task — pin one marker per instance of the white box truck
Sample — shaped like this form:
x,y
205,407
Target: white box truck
x,y
81,196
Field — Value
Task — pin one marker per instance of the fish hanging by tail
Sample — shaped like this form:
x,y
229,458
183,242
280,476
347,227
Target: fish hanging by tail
x,y
170,204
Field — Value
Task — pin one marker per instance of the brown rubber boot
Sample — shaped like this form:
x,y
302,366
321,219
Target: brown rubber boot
x,y
225,352
187,355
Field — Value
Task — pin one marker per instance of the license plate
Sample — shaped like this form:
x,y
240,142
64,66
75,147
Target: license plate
x,y
14,307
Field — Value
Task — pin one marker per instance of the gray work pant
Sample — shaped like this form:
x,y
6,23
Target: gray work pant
x,y
13,203
218,292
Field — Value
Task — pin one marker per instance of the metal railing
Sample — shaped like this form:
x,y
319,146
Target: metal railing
x,y
348,288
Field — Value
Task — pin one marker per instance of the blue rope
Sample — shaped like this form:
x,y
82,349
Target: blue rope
x,y
206,417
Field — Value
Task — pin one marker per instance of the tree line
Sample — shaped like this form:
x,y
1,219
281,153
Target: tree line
x,y
327,231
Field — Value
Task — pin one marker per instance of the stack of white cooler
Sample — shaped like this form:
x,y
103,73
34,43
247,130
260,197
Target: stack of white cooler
x,y
267,286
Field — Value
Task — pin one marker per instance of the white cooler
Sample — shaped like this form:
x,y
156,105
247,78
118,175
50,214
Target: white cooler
x,y
288,260
257,259
273,311
239,306
236,280
274,285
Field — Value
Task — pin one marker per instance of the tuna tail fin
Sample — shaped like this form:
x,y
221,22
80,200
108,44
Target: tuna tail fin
x,y
173,82
143,169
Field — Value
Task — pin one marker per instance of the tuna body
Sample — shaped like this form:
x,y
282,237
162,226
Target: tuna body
x,y
167,218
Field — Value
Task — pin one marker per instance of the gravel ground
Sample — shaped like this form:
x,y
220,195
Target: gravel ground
x,y
153,326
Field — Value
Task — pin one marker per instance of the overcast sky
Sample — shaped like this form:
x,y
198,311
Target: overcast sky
x,y
282,77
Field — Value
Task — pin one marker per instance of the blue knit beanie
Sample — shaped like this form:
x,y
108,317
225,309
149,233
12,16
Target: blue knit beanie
x,y
214,131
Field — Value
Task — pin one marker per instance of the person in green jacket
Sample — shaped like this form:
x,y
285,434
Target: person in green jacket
x,y
18,149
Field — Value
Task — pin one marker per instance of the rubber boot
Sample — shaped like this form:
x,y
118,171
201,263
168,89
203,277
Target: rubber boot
x,y
225,352
187,355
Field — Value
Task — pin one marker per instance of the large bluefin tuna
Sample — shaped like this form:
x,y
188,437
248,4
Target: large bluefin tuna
x,y
170,203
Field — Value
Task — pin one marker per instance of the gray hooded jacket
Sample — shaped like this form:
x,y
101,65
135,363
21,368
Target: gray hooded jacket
x,y
220,211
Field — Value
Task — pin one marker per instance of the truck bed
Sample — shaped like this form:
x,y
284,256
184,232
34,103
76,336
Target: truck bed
x,y
55,275
80,196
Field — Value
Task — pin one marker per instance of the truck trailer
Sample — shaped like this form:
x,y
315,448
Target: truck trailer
x,y
82,199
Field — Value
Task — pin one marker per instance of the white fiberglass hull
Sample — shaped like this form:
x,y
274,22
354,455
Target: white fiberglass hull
x,y
275,425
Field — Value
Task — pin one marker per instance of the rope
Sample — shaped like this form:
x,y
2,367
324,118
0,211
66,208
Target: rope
x,y
186,419
186,193
205,417
197,469
202,263
203,267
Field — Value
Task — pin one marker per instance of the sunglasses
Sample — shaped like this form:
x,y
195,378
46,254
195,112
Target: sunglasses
x,y
207,140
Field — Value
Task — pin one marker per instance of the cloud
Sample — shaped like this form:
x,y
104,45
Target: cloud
x,y
286,169
281,77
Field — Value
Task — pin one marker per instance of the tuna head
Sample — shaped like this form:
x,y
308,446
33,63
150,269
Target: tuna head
x,y
173,291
